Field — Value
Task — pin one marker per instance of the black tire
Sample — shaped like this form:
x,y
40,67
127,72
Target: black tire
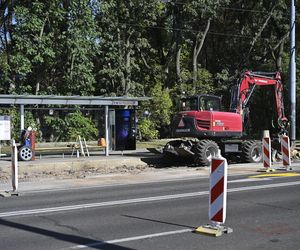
x,y
204,150
252,151
25,153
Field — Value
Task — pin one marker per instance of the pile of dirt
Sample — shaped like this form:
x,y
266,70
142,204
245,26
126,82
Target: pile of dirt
x,y
70,171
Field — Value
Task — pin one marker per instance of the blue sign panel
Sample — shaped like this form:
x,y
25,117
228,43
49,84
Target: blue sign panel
x,y
125,129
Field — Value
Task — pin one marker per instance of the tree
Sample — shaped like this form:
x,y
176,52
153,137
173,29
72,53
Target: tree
x,y
123,27
160,108
6,30
79,45
54,43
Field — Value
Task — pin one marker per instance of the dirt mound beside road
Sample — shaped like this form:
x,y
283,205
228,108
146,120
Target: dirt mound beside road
x,y
75,168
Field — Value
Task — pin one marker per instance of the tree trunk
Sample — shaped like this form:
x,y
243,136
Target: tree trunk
x,y
258,34
168,58
178,66
128,52
197,49
279,57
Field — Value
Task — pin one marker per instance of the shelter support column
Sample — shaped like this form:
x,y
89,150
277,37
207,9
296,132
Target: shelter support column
x,y
106,132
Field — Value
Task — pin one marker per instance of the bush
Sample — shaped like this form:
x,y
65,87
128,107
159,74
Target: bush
x,y
73,125
147,130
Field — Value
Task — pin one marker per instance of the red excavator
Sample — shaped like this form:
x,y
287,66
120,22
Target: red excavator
x,y
210,129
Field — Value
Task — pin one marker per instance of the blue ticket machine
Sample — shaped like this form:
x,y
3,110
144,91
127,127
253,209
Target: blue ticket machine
x,y
125,127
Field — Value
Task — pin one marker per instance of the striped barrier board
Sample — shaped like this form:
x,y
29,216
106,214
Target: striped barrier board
x,y
218,190
266,152
217,198
286,151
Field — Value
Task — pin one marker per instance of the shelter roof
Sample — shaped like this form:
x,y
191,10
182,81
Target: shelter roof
x,y
71,100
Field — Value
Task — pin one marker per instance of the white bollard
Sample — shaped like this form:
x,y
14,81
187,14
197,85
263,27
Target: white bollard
x,y
14,160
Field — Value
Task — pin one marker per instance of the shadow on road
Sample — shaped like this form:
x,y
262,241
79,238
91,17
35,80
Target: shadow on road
x,y
158,221
75,239
159,162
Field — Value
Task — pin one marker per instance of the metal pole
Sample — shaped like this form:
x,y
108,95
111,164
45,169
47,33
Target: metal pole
x,y
106,132
22,119
293,74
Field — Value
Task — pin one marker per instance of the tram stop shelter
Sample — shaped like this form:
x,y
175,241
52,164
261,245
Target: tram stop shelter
x,y
106,103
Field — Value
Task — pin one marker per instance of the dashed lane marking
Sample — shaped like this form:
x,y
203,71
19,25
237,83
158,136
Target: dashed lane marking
x,y
141,237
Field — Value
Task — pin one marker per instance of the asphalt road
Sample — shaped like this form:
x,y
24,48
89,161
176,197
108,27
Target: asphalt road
x,y
264,213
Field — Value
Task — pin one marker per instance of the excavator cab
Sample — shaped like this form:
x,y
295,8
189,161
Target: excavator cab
x,y
201,103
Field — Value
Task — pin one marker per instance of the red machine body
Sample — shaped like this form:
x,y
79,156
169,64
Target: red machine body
x,y
206,124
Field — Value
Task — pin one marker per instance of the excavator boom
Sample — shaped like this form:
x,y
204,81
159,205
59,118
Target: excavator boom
x,y
242,93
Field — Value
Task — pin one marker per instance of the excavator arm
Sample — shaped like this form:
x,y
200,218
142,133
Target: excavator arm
x,y
242,92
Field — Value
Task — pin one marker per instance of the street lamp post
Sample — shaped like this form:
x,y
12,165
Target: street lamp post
x,y
293,74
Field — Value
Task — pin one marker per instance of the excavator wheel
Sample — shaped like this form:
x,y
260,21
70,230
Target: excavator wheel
x,y
252,151
204,150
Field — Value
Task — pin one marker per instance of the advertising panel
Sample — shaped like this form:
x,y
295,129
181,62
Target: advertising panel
x,y
5,130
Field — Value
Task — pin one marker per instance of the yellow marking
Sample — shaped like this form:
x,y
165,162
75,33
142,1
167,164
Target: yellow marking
x,y
209,231
266,170
275,175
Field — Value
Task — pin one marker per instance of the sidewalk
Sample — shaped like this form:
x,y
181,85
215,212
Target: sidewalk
x,y
99,170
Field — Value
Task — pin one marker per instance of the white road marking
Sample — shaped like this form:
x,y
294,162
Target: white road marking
x,y
100,204
138,200
249,180
147,236
113,185
71,188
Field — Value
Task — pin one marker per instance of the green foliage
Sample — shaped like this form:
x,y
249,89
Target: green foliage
x,y
74,124
125,45
204,83
147,129
160,106
53,47
160,109
140,48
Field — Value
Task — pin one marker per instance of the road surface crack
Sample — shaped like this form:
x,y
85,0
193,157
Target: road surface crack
x,y
72,228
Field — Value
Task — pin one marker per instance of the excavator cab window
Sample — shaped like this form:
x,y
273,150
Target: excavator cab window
x,y
202,103
188,104
209,103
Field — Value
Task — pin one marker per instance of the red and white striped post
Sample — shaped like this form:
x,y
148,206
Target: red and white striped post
x,y
217,198
266,150
218,189
286,151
